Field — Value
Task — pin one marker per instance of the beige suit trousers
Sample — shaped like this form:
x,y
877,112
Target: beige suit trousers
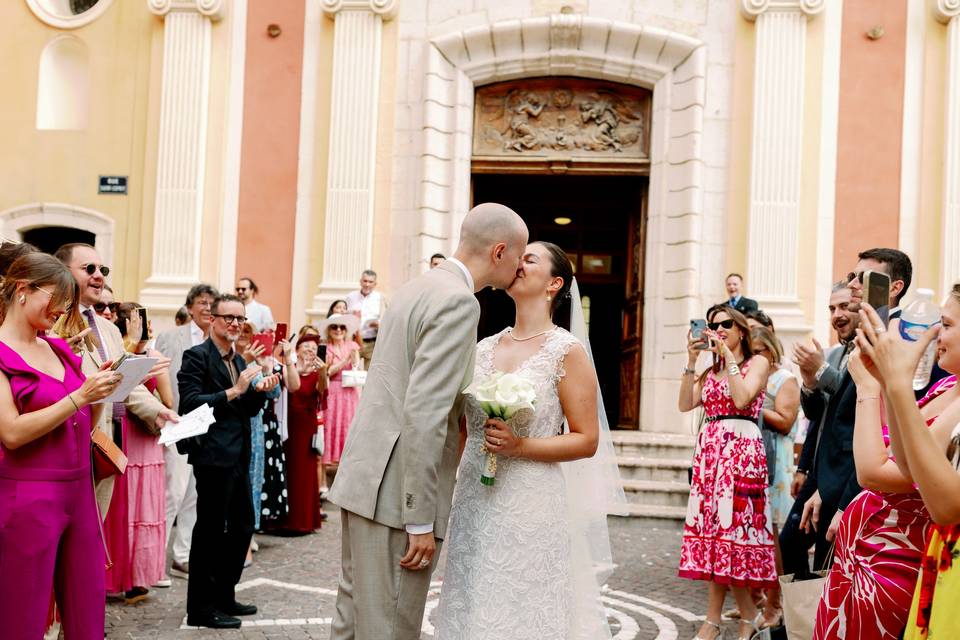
x,y
377,598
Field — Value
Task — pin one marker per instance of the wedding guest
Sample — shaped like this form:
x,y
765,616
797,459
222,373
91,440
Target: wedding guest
x,y
368,305
337,307
137,516
182,317
758,318
50,542
213,373
307,330
106,308
726,539
343,354
10,251
257,313
436,259
178,474
303,491
918,450
736,299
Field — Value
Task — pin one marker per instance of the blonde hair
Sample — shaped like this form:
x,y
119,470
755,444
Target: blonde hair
x,y
769,340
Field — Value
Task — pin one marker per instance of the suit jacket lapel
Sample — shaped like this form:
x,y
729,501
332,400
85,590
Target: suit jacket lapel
x,y
221,375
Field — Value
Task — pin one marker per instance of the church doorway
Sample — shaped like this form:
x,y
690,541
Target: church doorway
x,y
49,239
599,222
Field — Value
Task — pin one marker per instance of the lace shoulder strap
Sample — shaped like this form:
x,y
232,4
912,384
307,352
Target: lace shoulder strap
x,y
556,348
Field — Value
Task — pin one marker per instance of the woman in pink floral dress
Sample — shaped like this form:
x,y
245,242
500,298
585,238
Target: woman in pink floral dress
x,y
882,533
727,538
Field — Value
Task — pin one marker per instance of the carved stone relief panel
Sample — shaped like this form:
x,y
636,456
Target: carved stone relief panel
x,y
562,117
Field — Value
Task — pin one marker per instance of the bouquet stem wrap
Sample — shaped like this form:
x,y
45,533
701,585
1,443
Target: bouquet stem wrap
x,y
500,395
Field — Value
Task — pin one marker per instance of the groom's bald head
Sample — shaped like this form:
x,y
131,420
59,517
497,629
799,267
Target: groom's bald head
x,y
493,238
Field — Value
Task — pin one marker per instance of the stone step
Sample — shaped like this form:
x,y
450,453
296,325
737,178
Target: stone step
x,y
658,469
657,516
656,493
653,445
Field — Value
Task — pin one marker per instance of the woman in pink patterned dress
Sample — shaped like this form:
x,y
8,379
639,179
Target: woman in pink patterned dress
x,y
727,538
343,354
880,541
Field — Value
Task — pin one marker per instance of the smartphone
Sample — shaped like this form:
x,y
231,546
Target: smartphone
x,y
265,340
876,286
145,330
322,353
697,328
281,332
116,363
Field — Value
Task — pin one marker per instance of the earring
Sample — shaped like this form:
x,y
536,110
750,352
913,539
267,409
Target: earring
x,y
22,299
549,299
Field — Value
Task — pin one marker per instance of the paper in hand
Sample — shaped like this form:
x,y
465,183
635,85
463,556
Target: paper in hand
x,y
133,371
195,423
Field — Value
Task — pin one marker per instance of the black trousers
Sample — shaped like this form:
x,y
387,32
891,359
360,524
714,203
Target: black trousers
x,y
795,543
220,537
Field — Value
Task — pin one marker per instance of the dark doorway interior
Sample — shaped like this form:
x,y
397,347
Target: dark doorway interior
x,y
597,238
49,239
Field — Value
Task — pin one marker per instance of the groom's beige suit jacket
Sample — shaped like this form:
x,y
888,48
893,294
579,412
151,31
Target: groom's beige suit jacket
x,y
399,463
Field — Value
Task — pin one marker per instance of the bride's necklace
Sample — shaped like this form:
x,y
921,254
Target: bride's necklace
x,y
536,335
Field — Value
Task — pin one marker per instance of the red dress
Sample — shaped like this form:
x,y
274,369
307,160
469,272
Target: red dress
x,y
727,537
303,490
879,547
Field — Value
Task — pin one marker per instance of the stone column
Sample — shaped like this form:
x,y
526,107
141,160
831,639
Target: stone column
x,y
776,155
181,156
351,165
947,11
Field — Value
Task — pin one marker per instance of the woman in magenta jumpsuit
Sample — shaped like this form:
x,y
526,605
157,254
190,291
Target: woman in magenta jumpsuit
x,y
50,538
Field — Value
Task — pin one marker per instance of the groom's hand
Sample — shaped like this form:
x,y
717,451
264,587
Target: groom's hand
x,y
420,549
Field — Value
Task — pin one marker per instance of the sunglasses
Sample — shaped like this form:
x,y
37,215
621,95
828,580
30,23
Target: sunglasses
x,y
92,269
855,274
241,289
338,327
101,306
230,319
726,324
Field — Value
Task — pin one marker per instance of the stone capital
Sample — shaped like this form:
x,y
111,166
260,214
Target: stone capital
x,y
752,9
386,9
213,9
946,10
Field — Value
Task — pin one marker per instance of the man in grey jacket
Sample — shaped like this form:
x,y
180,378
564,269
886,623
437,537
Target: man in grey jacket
x,y
396,476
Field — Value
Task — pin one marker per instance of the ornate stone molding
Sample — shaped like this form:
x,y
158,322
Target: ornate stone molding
x,y
386,9
752,9
212,9
946,10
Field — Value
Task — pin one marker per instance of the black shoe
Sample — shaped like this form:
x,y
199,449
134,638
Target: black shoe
x,y
239,609
214,620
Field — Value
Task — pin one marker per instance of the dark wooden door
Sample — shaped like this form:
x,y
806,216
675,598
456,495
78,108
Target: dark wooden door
x,y
632,336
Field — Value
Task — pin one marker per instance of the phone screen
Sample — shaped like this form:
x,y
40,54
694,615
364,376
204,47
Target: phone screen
x,y
877,293
322,353
281,333
144,330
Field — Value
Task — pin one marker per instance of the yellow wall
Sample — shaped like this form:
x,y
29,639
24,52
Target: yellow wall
x,y
741,130
926,262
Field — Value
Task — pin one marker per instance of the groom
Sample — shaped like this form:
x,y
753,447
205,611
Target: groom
x,y
397,471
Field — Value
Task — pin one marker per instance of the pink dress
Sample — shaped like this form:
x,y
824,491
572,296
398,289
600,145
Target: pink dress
x,y
879,547
341,403
727,537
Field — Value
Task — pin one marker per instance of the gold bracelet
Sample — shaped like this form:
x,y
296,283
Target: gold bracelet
x,y
75,405
859,400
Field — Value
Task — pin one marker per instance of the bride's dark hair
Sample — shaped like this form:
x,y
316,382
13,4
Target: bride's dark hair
x,y
560,267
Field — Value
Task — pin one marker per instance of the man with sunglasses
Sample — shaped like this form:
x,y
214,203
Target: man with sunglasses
x,y
89,271
213,373
258,313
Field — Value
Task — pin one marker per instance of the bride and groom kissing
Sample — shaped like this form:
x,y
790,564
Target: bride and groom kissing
x,y
519,559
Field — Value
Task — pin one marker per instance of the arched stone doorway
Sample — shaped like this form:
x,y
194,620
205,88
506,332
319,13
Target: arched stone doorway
x,y
76,224
675,250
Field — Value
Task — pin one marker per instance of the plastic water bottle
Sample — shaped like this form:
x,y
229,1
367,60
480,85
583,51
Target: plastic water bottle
x,y
920,315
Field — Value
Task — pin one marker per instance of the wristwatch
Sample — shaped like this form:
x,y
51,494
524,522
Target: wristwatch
x,y
687,371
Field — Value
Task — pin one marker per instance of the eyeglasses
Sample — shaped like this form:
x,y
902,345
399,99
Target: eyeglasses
x,y
241,289
101,306
39,288
230,319
92,269
855,274
726,324
338,327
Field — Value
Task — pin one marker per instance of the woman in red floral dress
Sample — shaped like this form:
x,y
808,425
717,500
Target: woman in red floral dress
x,y
881,536
727,538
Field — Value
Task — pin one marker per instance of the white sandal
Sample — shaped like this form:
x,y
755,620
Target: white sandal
x,y
716,626
757,631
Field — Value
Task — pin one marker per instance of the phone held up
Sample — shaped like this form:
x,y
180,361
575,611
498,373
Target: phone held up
x,y
280,334
144,329
697,328
876,287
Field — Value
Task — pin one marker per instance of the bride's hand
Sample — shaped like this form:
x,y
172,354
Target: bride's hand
x,y
500,438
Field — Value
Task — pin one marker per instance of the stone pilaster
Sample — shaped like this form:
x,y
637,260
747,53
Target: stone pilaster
x,y
948,12
776,156
181,156
354,115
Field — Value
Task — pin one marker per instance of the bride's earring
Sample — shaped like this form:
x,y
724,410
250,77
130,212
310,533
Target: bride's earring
x,y
22,299
549,299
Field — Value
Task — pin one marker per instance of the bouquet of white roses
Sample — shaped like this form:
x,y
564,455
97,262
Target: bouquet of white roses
x,y
501,395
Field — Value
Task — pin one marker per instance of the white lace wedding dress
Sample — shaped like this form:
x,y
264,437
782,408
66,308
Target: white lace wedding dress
x,y
509,572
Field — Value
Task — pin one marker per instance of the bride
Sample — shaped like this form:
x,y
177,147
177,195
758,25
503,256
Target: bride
x,y
526,556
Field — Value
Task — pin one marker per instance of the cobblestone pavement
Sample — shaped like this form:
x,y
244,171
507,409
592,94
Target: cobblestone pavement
x,y
293,581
